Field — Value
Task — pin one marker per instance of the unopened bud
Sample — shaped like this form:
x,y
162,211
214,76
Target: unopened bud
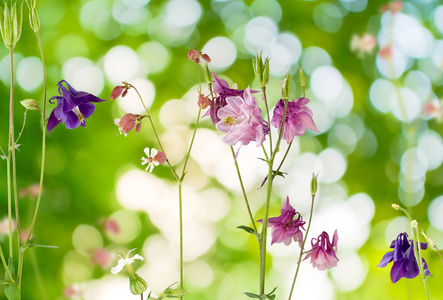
x,y
160,157
34,20
286,88
127,123
30,104
261,69
396,206
206,58
414,223
314,184
116,92
137,284
138,127
430,242
208,75
302,77
11,25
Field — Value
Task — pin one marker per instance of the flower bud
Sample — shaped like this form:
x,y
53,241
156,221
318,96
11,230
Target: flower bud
x,y
208,75
414,223
286,88
396,206
302,77
30,104
127,123
314,184
206,58
160,157
137,284
138,127
116,92
11,25
34,20
431,242
261,69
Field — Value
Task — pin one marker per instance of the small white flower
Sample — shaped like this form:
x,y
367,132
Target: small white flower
x,y
125,261
150,160
120,129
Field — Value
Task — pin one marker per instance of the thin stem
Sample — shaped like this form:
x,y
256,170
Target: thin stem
x,y
192,142
302,248
283,160
243,190
5,265
417,253
180,208
23,127
8,169
156,135
141,295
263,90
43,158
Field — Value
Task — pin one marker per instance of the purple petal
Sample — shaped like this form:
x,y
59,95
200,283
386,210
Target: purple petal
x,y
52,121
71,120
86,109
387,258
398,270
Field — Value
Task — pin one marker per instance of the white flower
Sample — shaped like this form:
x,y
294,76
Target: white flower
x,y
150,160
125,261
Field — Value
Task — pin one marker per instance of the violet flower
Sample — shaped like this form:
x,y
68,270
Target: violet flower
x,y
72,107
323,253
298,118
221,88
241,120
405,264
285,227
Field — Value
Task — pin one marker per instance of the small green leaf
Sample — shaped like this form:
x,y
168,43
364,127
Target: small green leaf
x,y
2,282
247,229
251,295
271,295
42,246
11,268
12,292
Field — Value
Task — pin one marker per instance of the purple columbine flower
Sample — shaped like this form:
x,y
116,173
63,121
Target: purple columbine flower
x,y
405,264
241,120
298,118
323,253
72,107
221,88
285,227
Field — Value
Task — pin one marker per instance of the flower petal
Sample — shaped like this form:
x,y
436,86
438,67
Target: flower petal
x,y
121,263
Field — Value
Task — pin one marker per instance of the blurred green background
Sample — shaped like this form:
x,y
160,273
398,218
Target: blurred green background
x,y
378,145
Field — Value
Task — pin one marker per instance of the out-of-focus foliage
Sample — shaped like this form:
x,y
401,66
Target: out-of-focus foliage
x,y
97,199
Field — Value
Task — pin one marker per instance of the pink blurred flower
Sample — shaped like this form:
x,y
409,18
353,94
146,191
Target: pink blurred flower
x,y
241,120
363,45
73,292
4,226
101,257
323,253
111,226
31,191
24,234
385,52
285,227
434,109
298,118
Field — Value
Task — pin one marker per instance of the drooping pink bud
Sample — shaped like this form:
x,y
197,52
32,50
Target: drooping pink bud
x,y
127,123
160,157
206,58
116,92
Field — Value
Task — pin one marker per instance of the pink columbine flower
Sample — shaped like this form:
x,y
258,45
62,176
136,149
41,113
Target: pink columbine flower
x,y
298,118
241,120
323,253
285,227
153,159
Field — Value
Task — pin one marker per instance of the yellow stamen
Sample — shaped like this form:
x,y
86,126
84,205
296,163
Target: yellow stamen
x,y
229,120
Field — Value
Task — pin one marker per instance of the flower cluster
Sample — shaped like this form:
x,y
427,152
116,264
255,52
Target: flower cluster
x,y
405,263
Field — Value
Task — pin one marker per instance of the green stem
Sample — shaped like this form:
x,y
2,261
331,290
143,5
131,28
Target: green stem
x,y
5,265
302,247
417,252
243,190
23,127
8,169
180,208
265,99
263,235
283,160
192,142
156,135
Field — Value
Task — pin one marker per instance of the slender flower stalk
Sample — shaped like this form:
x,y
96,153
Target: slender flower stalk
x,y
2,256
302,247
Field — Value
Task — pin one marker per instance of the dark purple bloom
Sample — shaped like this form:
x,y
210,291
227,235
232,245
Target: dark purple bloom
x,y
221,88
298,118
405,264
323,253
285,227
72,107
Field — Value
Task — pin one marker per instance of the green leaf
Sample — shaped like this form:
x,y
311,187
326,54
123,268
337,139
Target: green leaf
x,y
2,23
12,292
247,229
2,282
251,295
271,295
11,269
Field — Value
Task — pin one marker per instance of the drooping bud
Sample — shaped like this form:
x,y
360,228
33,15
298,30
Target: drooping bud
x,y
116,92
206,58
314,184
261,69
160,157
30,104
11,25
431,242
138,127
396,206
